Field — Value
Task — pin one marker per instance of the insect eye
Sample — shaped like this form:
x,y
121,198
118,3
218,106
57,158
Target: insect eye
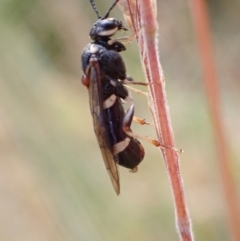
x,y
108,24
106,28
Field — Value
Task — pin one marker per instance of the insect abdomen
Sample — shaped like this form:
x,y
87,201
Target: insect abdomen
x,y
128,151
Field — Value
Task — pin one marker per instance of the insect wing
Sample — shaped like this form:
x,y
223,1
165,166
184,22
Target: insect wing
x,y
96,106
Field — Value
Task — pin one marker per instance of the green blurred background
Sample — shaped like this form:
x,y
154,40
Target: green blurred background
x,y
53,183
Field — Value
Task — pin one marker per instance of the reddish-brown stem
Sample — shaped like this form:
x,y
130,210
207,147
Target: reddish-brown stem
x,y
201,21
142,15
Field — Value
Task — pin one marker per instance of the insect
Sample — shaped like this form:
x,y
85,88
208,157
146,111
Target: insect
x,y
104,75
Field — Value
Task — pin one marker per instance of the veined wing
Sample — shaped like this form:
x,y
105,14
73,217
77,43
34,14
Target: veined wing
x,y
96,106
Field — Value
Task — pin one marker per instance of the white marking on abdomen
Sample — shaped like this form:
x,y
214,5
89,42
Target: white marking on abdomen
x,y
112,82
120,146
109,102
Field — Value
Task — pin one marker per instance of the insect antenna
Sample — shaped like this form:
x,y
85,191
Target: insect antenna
x,y
110,9
95,8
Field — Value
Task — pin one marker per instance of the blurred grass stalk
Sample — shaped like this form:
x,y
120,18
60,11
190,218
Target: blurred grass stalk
x,y
141,18
202,30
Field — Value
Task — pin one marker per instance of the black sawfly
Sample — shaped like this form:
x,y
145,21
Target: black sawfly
x,y
104,75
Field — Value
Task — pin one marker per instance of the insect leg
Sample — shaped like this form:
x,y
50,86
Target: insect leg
x,y
129,81
142,121
126,128
127,121
122,92
129,100
125,40
137,91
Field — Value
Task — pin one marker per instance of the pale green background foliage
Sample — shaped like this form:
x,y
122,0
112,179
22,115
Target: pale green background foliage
x,y
53,183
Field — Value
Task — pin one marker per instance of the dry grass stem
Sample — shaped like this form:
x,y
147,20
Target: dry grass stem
x,y
141,18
